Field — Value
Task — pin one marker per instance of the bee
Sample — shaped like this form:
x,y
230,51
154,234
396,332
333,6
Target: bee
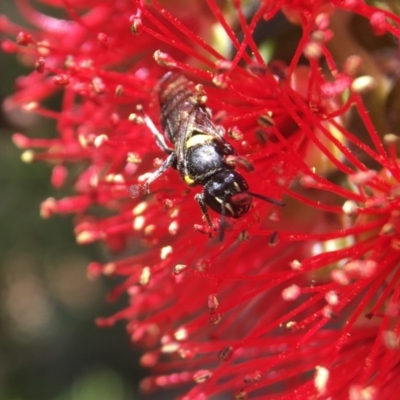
x,y
199,151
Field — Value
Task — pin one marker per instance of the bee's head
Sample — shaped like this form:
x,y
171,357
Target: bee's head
x,y
226,193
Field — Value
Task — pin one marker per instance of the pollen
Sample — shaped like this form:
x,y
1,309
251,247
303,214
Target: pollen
x,y
48,207
140,208
212,302
181,334
115,178
164,59
145,276
173,228
226,353
296,265
252,378
109,269
43,47
138,223
31,106
100,140
137,119
266,119
179,268
291,293
202,376
170,348
332,298
363,84
321,379
136,25
165,252
149,229
133,158
313,50
291,325
86,237
350,207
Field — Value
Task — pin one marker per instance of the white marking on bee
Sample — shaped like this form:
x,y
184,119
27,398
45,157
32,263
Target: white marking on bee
x,y
198,139
229,208
237,187
219,200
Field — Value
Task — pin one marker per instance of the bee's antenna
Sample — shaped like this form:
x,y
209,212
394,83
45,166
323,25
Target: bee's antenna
x,y
269,199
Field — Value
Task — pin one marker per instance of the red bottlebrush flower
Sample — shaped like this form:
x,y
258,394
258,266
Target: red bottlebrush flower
x,y
299,302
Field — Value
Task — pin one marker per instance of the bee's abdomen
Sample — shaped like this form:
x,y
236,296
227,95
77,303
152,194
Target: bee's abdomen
x,y
174,88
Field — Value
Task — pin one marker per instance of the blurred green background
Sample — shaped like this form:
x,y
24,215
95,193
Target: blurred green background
x,y
50,347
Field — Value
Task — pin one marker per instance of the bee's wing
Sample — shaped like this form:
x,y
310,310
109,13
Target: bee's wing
x,y
184,133
205,125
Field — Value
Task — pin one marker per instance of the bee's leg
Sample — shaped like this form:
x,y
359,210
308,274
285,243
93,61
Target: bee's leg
x,y
200,199
158,136
171,159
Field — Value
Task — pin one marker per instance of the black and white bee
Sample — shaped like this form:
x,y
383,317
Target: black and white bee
x,y
199,150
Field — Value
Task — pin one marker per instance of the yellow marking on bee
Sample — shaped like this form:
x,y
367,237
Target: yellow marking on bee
x,y
237,187
188,180
219,200
198,139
